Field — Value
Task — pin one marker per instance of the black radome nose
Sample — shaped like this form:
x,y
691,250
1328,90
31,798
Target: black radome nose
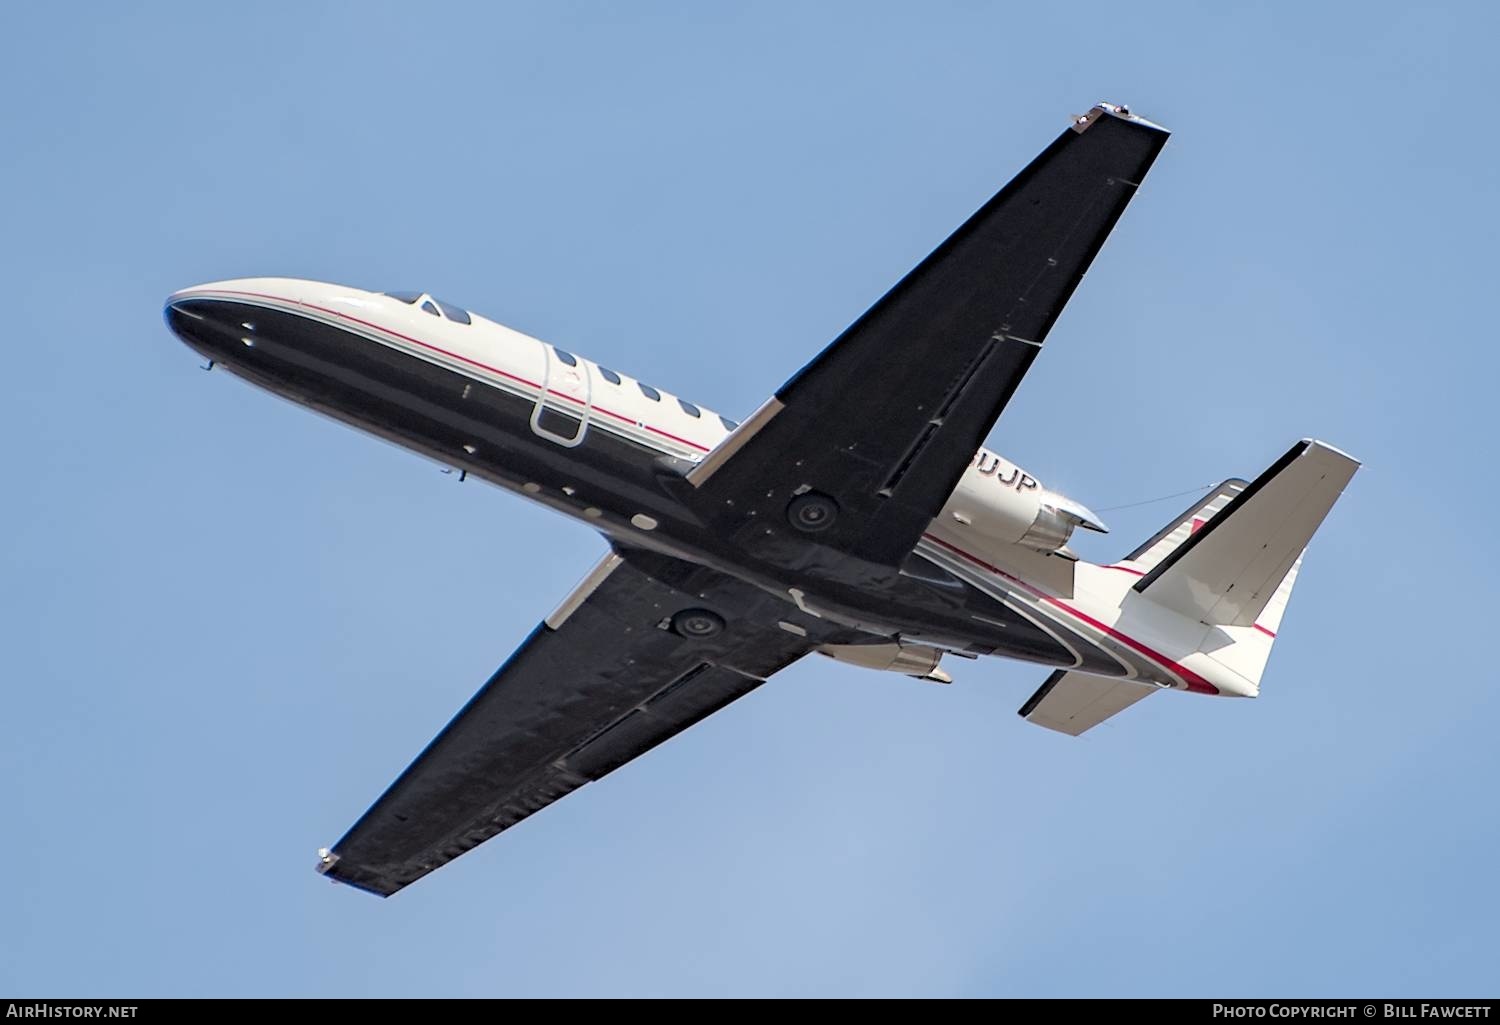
x,y
209,327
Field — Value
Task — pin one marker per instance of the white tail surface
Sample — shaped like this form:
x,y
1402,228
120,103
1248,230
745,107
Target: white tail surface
x,y
1227,573
1074,702
1150,554
1246,650
1230,561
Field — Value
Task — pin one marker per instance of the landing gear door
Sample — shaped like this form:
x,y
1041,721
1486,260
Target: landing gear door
x,y
565,402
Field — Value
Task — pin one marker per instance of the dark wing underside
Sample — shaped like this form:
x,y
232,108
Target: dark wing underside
x,y
886,419
601,681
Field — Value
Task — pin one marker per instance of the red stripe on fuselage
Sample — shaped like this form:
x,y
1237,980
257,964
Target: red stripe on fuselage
x,y
1194,682
473,363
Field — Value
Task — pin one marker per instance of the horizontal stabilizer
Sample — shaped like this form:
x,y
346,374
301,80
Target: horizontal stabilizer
x,y
1073,702
1225,573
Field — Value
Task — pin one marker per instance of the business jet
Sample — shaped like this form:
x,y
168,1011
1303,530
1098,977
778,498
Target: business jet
x,y
854,515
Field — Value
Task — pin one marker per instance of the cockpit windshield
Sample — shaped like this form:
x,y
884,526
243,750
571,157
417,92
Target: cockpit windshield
x,y
432,304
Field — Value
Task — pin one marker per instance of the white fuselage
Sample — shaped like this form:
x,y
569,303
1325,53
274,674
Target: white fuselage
x,y
996,507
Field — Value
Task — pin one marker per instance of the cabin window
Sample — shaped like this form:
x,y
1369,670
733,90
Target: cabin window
x,y
567,357
689,408
648,391
729,424
453,313
609,375
431,304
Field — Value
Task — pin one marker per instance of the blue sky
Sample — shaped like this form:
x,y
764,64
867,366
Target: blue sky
x,y
228,623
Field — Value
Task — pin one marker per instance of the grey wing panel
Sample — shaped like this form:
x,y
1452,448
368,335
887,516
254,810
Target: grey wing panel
x,y
1073,703
604,683
886,418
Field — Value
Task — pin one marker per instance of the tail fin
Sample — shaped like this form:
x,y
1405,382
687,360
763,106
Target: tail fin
x,y
1246,650
1150,554
1229,561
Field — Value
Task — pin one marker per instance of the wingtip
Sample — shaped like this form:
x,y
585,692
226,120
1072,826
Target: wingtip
x,y
328,868
1081,122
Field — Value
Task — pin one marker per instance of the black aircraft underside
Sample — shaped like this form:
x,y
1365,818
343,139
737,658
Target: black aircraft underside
x,y
800,530
437,411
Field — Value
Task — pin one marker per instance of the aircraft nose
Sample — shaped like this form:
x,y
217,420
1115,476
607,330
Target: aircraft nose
x,y
191,320
178,309
209,326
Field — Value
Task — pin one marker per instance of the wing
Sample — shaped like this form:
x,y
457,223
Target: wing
x,y
886,418
603,679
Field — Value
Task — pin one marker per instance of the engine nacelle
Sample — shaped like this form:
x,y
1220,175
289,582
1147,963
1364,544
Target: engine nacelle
x,y
919,660
1002,503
